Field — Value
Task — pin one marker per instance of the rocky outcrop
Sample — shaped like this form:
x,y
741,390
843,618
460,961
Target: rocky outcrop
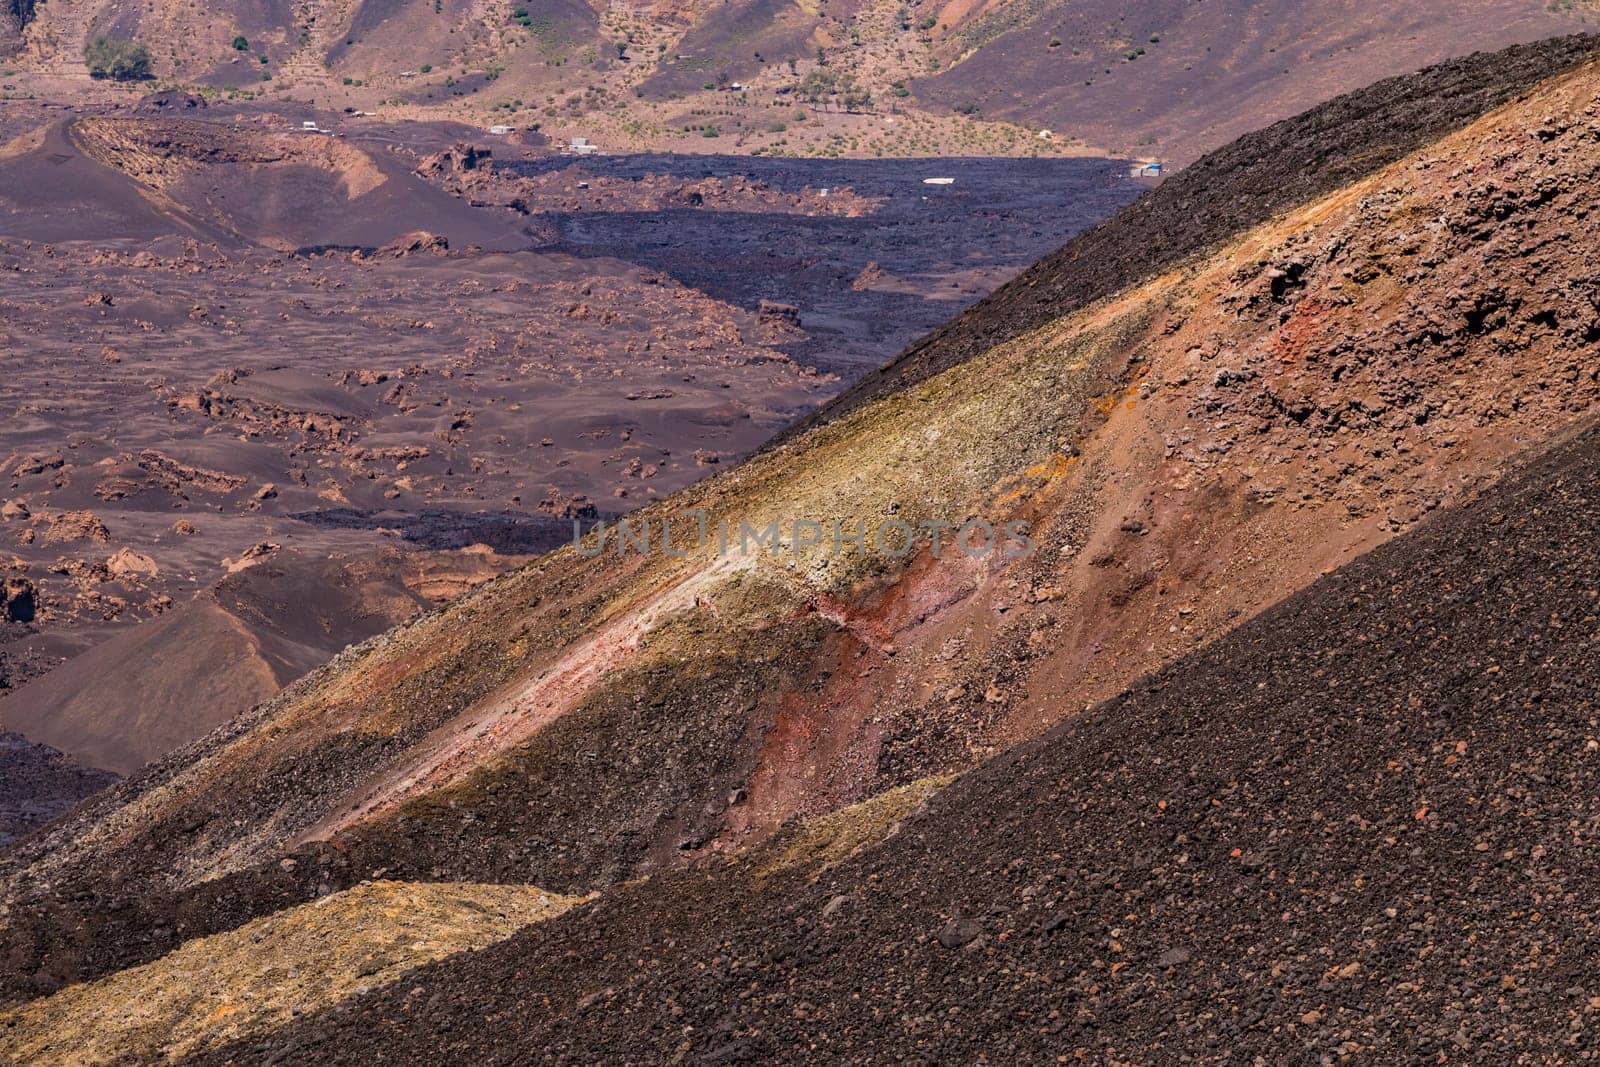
x,y
170,101
18,600
70,526
457,160
14,18
417,242
777,313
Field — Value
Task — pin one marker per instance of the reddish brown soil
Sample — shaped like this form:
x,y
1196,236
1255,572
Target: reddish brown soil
x,y
336,345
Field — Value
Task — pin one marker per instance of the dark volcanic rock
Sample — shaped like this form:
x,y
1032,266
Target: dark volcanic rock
x,y
1360,824
37,783
170,100
18,602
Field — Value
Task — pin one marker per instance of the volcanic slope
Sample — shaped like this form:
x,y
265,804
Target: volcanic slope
x,y
1170,77
1233,189
1164,77
1188,451
104,178
38,784
1360,825
151,688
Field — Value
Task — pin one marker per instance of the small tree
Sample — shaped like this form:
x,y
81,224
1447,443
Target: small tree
x,y
110,57
856,98
241,43
816,86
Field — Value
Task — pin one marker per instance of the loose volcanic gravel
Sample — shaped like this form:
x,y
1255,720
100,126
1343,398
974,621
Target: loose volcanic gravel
x,y
1362,823
37,783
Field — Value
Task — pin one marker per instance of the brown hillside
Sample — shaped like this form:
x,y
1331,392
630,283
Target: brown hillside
x,y
1169,78
1174,78
1355,829
1189,451
153,688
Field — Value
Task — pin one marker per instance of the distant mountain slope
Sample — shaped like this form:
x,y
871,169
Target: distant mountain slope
x,y
1188,451
1175,78
1360,825
1172,78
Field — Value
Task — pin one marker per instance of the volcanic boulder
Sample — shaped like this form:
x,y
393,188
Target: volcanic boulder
x,y
18,601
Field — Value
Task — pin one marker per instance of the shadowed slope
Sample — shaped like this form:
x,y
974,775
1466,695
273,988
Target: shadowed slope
x,y
38,784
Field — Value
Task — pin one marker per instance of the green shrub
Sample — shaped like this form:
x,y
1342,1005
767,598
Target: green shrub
x,y
241,43
119,60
